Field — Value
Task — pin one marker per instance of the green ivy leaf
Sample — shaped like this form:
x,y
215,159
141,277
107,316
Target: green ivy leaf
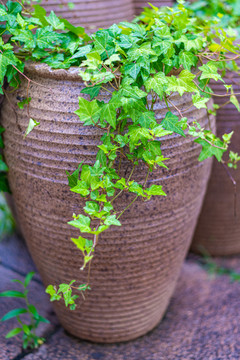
x,y
136,188
235,102
25,36
31,125
111,220
187,59
54,21
183,83
6,58
155,190
157,83
81,222
24,102
73,178
91,207
132,70
137,133
170,122
46,38
81,188
209,71
199,102
88,112
147,119
208,150
108,113
82,52
80,242
92,91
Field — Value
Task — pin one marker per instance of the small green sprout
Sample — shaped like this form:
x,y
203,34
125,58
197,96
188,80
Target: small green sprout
x,y
29,337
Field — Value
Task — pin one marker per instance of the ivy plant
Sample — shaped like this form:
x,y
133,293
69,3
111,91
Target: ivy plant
x,y
139,64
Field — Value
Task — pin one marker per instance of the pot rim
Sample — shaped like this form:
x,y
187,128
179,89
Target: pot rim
x,y
45,71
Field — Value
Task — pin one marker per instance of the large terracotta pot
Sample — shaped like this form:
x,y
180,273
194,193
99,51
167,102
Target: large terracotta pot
x,y
139,5
92,14
218,229
136,266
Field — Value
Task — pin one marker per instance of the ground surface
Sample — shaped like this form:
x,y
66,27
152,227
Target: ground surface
x,y
202,321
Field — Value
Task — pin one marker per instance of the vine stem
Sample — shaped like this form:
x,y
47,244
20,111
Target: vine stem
x,y
213,94
226,58
175,107
128,206
218,147
120,192
226,103
145,181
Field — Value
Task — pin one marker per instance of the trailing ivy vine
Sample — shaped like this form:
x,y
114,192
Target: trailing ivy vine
x,y
138,64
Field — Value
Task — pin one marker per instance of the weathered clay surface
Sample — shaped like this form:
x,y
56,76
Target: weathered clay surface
x,y
218,230
136,266
92,14
139,5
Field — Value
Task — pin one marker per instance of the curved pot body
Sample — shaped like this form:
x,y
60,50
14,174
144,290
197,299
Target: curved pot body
x,y
136,266
218,229
92,14
139,5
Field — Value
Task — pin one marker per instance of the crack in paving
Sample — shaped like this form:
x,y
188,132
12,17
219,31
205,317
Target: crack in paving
x,y
48,334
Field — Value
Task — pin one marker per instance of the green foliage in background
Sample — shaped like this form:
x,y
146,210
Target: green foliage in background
x,y
26,328
227,11
7,224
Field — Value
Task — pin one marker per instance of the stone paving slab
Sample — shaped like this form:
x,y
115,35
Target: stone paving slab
x,y
10,348
15,263
15,256
202,322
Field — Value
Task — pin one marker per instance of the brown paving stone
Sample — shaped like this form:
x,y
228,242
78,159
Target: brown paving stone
x,y
15,256
9,348
202,323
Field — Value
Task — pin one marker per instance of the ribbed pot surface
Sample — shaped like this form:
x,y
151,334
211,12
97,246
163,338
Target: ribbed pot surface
x,y
139,5
92,14
218,229
135,266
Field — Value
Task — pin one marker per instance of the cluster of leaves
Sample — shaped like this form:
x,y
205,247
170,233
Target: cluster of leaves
x,y
29,337
65,291
139,65
38,37
225,11
135,65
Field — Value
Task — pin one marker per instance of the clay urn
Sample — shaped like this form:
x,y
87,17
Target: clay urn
x,y
218,229
91,14
136,266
